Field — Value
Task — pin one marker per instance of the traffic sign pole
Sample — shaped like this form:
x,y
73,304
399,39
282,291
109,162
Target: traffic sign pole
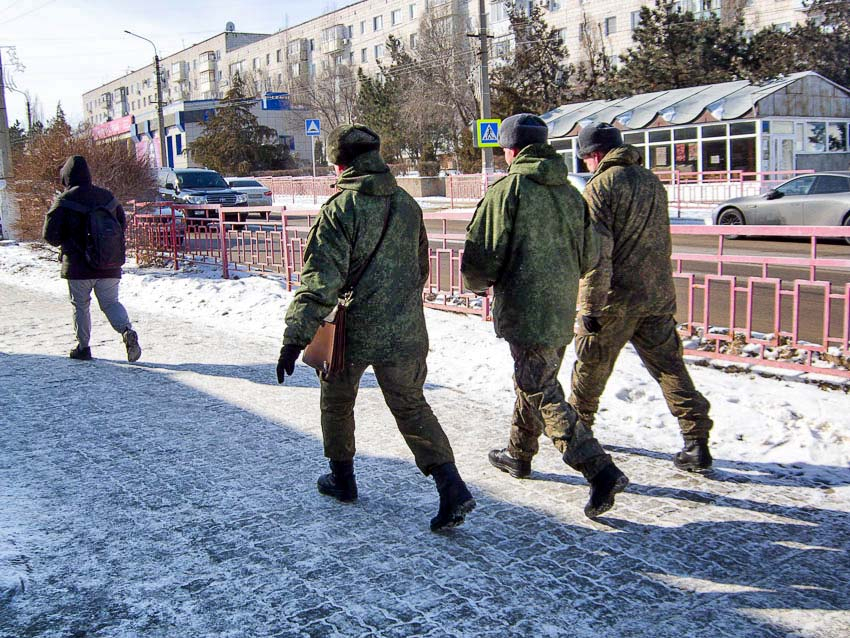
x,y
313,153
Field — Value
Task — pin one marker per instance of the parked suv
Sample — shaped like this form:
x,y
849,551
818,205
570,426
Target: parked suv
x,y
199,186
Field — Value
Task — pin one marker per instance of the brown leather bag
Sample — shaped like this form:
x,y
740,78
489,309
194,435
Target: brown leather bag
x,y
326,351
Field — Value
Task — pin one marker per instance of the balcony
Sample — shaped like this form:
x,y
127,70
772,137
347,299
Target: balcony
x,y
334,45
206,64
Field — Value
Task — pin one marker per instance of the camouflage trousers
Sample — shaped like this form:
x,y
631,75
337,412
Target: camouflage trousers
x,y
541,408
401,385
659,347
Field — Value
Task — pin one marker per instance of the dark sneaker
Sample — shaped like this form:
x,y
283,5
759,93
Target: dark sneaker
x,y
694,457
603,487
340,482
502,460
81,354
455,499
131,340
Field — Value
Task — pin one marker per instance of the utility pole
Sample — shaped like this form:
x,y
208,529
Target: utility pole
x,y
163,157
5,155
487,152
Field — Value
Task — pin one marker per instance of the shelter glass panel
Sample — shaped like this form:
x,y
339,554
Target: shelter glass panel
x,y
660,157
634,138
659,136
714,130
742,128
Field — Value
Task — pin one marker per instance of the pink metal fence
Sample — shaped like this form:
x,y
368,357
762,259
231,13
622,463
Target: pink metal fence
x,y
806,298
291,188
722,291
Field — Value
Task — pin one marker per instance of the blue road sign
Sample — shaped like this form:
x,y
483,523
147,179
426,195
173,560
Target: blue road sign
x,y
487,133
312,128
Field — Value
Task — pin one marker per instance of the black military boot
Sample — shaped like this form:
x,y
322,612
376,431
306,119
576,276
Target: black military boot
x,y
694,457
455,500
503,460
340,482
80,354
608,482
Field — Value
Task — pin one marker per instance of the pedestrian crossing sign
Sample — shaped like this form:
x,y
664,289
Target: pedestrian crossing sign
x,y
312,128
487,133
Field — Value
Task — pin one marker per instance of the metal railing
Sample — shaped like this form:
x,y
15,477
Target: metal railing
x,y
291,188
736,302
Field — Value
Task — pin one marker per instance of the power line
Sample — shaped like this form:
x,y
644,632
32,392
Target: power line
x,y
26,13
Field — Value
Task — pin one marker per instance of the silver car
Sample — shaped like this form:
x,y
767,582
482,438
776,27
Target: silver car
x,y
818,199
258,195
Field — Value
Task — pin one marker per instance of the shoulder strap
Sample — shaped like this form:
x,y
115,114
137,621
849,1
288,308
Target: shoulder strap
x,y
368,260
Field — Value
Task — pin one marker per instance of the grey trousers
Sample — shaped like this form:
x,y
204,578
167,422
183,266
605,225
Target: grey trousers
x,y
106,291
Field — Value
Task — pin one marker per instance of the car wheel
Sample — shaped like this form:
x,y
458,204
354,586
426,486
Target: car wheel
x,y
847,225
730,217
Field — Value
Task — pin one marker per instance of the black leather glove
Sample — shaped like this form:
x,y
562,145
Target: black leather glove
x,y
591,324
286,362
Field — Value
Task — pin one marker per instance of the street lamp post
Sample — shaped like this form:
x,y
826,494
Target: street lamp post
x,y
160,121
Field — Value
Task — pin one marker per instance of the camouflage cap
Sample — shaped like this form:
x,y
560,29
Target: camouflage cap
x,y
350,140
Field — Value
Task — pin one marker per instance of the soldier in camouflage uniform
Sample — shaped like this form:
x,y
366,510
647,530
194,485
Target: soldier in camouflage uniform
x,y
385,323
531,239
629,296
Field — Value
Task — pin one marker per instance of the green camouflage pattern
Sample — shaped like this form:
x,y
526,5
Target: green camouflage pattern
x,y
629,205
541,409
401,385
385,321
658,344
531,239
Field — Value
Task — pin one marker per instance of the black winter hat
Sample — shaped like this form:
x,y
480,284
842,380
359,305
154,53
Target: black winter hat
x,y
522,129
599,136
348,141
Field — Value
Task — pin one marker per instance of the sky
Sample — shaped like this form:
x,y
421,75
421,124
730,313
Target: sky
x,y
68,47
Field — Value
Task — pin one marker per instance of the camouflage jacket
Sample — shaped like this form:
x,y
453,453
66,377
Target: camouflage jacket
x,y
385,321
629,205
531,239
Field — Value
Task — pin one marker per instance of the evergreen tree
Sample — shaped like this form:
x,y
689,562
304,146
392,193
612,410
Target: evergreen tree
x,y
234,143
821,44
17,134
536,79
59,123
675,50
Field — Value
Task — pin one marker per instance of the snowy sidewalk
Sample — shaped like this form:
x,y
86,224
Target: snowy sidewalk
x,y
176,497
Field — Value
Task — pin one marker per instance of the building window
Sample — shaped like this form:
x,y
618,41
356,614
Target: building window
x,y
312,44
635,19
256,63
395,16
837,136
377,23
497,11
278,56
364,55
280,79
412,41
349,31
362,27
562,35
351,57
268,59
610,25
815,137
411,11
379,51
295,69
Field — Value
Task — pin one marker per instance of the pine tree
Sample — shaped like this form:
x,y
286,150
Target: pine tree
x,y
537,77
674,50
234,143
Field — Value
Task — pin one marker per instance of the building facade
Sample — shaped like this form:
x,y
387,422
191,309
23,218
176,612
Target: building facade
x,y
355,37
797,122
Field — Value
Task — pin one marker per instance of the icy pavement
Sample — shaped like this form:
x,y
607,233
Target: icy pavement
x,y
176,498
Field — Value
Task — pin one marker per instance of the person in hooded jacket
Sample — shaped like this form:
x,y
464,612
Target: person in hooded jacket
x,y
66,225
629,297
385,321
531,239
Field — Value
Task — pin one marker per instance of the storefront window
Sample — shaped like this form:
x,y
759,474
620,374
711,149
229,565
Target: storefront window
x,y
660,157
815,137
715,130
689,133
742,128
714,155
633,138
837,136
686,157
659,136
743,152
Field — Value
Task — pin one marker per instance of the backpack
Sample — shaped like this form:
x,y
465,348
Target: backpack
x,y
104,244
